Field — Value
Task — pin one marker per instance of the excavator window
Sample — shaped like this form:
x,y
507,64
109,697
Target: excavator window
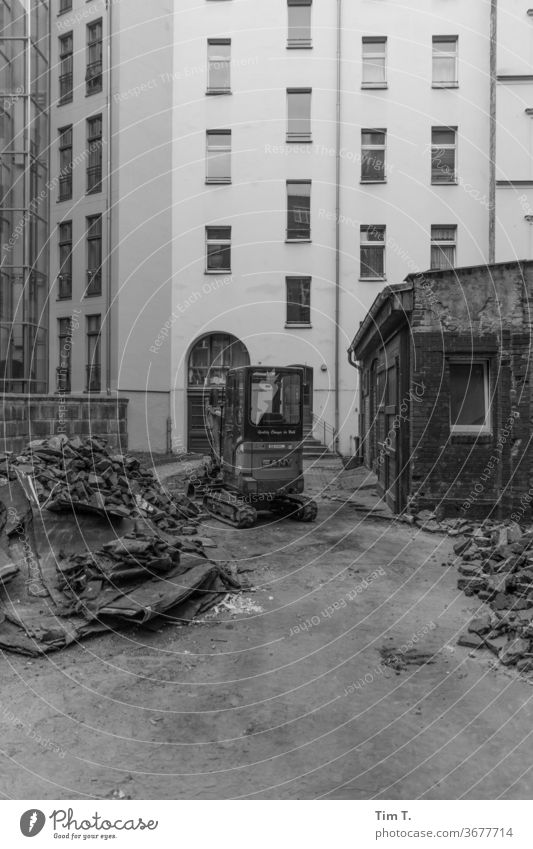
x,y
275,398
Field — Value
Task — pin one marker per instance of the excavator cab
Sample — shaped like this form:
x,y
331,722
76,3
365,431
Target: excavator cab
x,y
260,451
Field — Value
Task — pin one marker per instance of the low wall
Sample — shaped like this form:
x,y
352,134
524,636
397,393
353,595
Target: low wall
x,y
26,417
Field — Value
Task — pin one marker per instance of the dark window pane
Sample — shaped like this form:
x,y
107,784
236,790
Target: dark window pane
x,y
467,394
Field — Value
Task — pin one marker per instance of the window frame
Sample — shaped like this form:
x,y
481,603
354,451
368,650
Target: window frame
x,y
218,241
304,137
435,243
304,238
65,143
300,43
377,40
64,367
64,6
443,147
94,146
472,430
94,66
370,147
66,61
62,277
376,243
301,279
94,357
443,39
218,42
94,237
222,149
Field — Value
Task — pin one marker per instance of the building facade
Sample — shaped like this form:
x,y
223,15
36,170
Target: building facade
x,y
335,148
24,180
234,182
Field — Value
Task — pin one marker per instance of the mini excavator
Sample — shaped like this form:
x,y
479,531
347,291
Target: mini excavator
x,y
256,437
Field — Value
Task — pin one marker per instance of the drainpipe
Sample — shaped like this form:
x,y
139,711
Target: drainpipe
x,y
492,128
354,364
337,221
109,198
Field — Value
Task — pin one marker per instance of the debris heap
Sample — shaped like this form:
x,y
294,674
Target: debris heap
x,y
495,563
83,474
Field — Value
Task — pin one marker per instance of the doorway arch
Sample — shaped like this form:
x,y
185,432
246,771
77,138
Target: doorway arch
x,y
210,358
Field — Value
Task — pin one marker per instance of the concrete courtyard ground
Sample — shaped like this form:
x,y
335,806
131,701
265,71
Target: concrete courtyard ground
x,y
338,677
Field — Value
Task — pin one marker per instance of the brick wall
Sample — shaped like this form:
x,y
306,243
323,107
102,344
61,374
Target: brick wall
x,y
25,417
482,312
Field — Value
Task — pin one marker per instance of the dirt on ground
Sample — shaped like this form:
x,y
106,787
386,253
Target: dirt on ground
x,y
337,677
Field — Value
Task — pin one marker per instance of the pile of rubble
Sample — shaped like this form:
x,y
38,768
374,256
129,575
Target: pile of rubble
x,y
495,563
90,539
84,474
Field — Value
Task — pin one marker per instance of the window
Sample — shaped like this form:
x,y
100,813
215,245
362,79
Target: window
x,y
374,62
445,61
443,155
299,23
94,255
65,163
218,156
372,252
274,398
443,243
298,210
298,300
373,156
64,278
93,75
298,114
218,248
218,65
94,161
65,68
469,396
92,371
65,6
65,350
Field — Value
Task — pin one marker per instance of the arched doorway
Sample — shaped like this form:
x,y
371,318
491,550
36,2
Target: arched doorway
x,y
209,361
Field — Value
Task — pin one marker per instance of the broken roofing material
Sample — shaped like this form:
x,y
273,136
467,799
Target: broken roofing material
x,y
103,543
496,565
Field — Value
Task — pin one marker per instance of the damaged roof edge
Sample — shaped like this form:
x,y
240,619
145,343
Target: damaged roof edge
x,y
392,291
370,321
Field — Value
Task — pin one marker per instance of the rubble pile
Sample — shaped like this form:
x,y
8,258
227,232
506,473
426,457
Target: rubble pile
x,y
495,563
67,572
83,474
135,555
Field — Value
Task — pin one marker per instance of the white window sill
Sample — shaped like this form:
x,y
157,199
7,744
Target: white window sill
x,y
300,140
374,85
474,431
444,85
297,241
226,182
371,182
448,183
372,279
218,271
293,45
214,91
298,325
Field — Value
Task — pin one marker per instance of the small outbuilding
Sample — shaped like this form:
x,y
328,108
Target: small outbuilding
x,y
446,404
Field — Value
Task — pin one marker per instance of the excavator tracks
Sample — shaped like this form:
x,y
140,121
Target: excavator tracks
x,y
230,508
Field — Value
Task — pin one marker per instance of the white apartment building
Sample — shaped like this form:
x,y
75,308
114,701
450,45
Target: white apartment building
x,y
265,170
